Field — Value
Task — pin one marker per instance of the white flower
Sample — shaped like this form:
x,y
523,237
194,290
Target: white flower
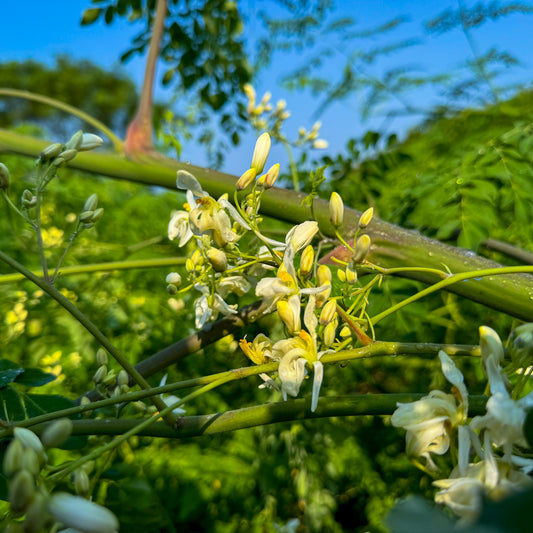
x,y
178,227
208,306
429,420
81,514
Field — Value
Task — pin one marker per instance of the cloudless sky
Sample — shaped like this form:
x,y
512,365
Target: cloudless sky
x,y
40,30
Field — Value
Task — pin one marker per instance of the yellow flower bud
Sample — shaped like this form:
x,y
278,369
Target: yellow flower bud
x,y
361,248
351,276
262,148
246,179
336,209
329,333
366,217
323,275
271,176
218,259
345,332
341,275
329,312
289,312
307,260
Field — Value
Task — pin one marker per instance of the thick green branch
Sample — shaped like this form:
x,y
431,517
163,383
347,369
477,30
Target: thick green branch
x,y
270,413
392,246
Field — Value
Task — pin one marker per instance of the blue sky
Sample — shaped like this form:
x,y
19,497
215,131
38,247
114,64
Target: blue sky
x,y
40,30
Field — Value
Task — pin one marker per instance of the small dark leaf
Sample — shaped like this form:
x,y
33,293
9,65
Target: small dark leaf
x,y
90,15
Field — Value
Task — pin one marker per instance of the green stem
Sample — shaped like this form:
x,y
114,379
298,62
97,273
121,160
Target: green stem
x,y
12,205
261,415
27,95
65,251
103,267
89,326
454,278
167,410
376,349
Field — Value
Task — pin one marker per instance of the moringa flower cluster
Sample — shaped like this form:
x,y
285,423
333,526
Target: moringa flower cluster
x,y
233,255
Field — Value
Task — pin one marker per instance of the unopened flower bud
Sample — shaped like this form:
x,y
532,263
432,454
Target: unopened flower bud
x,y
218,259
30,462
301,235
361,248
81,482
75,141
173,279
58,161
345,332
197,258
36,514
57,433
68,155
366,218
51,151
4,177
320,144
290,316
110,378
101,356
91,203
86,216
21,491
323,275
351,276
122,378
29,440
329,312
271,176
246,179
172,289
90,141
336,209
13,457
100,374
78,513
97,215
307,260
261,150
28,199
341,274
329,333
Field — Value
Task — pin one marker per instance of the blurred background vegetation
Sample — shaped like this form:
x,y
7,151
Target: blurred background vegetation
x,y
463,176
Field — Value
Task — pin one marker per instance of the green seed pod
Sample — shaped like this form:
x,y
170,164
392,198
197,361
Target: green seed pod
x,y
57,433
75,141
51,151
4,177
21,491
13,457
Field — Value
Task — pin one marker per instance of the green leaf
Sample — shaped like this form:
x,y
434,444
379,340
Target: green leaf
x,y
34,377
8,372
90,15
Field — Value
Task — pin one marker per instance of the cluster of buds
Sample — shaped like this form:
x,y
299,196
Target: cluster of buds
x,y
107,382
33,508
311,137
264,116
91,213
260,155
